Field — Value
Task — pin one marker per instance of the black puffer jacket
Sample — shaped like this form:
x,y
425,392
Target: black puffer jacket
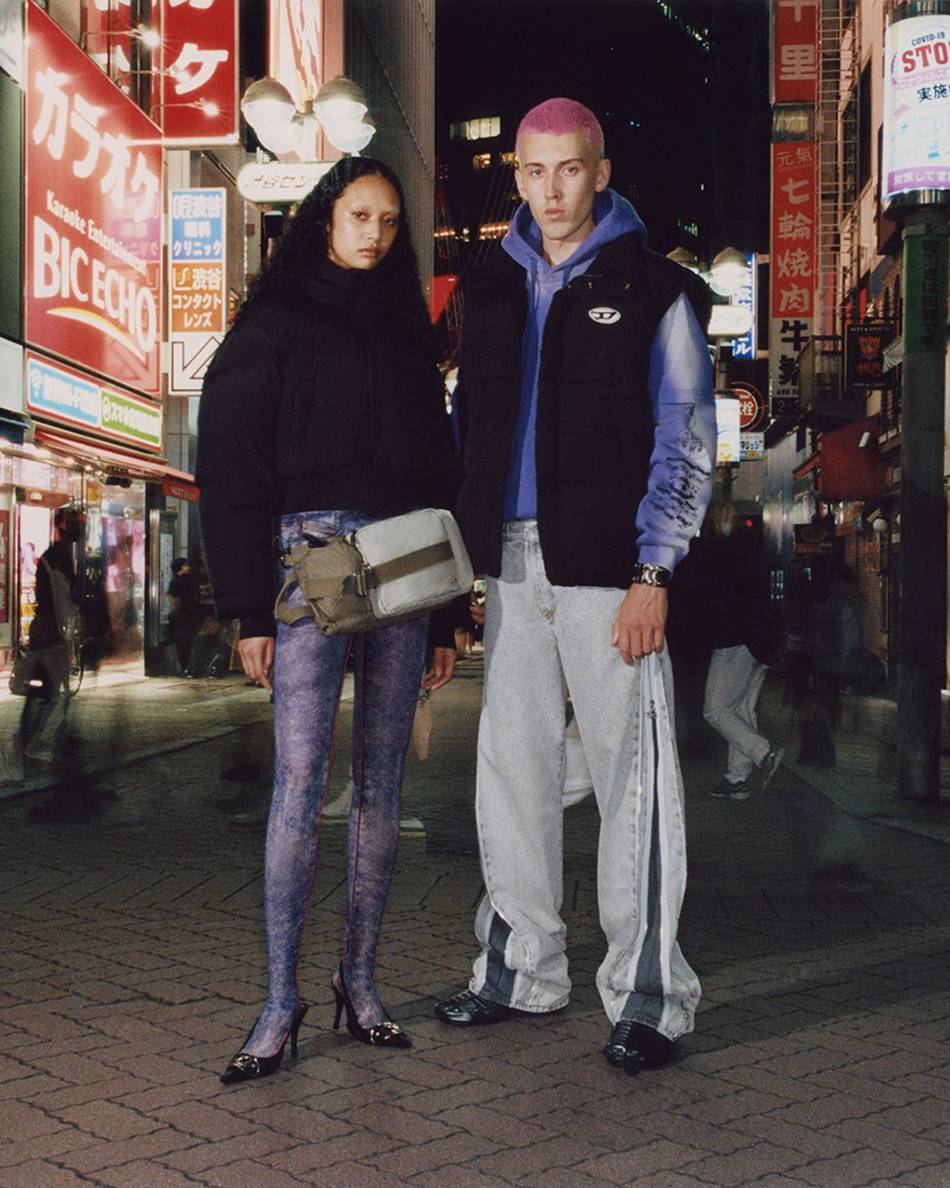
x,y
316,400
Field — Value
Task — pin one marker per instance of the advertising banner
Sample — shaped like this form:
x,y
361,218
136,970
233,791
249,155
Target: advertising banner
x,y
795,51
93,215
916,145
751,406
68,397
864,355
728,443
107,39
198,297
793,268
295,41
11,38
745,346
199,92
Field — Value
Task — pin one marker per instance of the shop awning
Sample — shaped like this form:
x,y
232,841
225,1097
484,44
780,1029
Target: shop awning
x,y
850,471
115,459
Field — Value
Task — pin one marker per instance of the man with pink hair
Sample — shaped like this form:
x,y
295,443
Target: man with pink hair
x,y
588,458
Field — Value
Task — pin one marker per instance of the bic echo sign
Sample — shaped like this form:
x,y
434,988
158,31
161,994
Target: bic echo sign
x,y
93,215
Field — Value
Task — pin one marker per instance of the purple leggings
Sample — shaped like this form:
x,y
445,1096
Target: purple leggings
x,y
308,677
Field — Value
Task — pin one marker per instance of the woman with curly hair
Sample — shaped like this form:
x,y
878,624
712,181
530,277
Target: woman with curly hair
x,y
323,411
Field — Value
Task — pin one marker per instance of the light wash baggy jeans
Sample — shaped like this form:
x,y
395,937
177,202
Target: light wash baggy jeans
x,y
733,685
543,642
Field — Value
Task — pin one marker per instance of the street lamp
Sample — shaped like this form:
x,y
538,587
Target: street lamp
x,y
339,108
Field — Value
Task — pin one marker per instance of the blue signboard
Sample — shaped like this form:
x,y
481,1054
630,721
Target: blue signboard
x,y
197,224
745,347
62,395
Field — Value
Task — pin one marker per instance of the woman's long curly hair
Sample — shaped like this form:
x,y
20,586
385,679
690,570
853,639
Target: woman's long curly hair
x,y
305,243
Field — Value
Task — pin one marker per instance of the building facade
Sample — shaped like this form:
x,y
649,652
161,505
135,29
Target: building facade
x,y
127,247
833,475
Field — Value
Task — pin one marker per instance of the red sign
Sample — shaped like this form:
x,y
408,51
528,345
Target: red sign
x,y
795,51
93,215
199,92
751,406
794,216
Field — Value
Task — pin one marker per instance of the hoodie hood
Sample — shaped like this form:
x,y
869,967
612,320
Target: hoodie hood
x,y
613,216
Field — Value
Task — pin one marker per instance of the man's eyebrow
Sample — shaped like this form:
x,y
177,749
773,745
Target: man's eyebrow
x,y
569,161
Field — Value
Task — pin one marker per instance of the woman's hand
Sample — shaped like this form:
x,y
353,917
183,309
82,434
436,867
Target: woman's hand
x,y
257,659
442,670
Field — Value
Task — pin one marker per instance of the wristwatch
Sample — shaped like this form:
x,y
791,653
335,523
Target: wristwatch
x,y
645,574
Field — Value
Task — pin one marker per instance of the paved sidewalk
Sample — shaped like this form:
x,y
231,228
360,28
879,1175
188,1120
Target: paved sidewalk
x,y
134,968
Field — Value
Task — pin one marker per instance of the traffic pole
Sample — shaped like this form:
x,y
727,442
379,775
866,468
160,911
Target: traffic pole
x,y
923,534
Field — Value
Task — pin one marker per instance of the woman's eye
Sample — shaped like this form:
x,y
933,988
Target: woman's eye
x,y
359,214
391,222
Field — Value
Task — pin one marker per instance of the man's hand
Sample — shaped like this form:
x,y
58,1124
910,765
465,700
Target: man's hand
x,y
442,670
476,602
640,625
257,659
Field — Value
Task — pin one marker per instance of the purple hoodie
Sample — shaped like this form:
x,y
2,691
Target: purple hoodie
x,y
680,386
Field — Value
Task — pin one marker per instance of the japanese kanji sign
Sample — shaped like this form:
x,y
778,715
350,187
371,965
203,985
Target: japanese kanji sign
x,y
916,106
793,268
93,215
795,51
199,92
71,398
745,295
197,283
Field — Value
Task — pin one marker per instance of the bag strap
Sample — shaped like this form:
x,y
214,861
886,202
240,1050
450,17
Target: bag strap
x,y
400,567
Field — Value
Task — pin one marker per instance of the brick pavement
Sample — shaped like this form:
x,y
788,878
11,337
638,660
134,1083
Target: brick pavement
x,y
134,966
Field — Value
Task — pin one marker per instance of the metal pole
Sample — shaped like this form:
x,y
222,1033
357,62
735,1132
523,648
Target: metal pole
x,y
923,544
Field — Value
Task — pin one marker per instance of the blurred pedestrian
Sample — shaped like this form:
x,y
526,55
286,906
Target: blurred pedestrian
x,y
186,615
739,622
323,408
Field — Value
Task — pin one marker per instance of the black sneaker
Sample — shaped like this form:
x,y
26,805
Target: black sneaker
x,y
727,790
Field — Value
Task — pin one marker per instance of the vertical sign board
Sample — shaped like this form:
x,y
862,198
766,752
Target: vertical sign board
x,y
11,38
745,347
295,45
916,106
198,297
93,215
795,51
864,356
792,271
107,38
199,91
295,56
728,436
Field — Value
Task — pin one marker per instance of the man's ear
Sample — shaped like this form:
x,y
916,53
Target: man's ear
x,y
603,174
518,184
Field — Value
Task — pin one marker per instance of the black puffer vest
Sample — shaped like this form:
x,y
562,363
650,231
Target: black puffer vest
x,y
595,426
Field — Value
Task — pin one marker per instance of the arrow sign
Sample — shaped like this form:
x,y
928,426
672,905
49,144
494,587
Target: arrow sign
x,y
190,356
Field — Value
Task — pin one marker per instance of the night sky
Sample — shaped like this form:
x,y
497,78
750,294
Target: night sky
x,y
684,124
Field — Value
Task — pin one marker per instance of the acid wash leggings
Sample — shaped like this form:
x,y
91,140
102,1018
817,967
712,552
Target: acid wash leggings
x,y
544,643
309,668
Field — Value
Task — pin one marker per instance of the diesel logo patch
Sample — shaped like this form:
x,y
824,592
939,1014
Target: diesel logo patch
x,y
604,315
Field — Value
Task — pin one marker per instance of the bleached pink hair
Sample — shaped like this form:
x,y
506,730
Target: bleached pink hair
x,y
557,116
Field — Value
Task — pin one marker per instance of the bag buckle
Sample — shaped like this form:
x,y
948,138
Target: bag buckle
x,y
362,579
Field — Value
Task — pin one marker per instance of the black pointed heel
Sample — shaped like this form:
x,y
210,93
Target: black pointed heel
x,y
384,1035
245,1067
